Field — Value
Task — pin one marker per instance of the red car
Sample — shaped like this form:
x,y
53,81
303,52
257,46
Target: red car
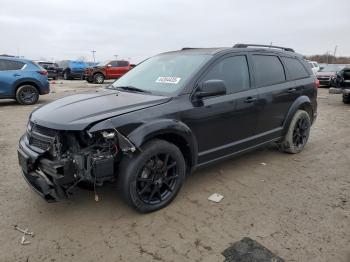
x,y
111,69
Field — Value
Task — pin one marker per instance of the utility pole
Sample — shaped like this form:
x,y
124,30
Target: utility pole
x,y
93,55
116,56
335,51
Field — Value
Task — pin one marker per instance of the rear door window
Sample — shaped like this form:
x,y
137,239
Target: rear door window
x,y
6,65
295,68
268,70
122,63
233,71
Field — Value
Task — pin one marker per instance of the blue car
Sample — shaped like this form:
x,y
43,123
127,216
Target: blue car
x,y
72,69
22,80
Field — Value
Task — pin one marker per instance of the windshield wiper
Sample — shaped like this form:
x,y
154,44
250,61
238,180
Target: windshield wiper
x,y
132,88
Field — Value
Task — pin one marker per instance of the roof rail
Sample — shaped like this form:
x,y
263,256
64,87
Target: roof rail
x,y
268,46
189,48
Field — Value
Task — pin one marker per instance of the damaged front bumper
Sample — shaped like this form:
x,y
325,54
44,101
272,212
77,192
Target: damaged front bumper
x,y
53,180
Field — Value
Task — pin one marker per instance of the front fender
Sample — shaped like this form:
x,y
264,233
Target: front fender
x,y
300,102
163,127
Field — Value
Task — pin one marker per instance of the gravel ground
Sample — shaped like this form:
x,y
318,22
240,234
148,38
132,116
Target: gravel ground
x,y
298,206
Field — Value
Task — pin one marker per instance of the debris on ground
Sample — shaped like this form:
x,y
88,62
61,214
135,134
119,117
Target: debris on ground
x,y
24,241
216,197
248,250
25,232
263,164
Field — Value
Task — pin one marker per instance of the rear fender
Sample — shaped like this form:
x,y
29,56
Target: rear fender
x,y
303,102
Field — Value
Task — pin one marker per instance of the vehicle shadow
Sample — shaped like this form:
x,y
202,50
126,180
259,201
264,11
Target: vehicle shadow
x,y
83,201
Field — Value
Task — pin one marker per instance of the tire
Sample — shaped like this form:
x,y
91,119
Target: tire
x,y
27,95
149,180
346,99
297,134
99,78
89,80
66,75
54,78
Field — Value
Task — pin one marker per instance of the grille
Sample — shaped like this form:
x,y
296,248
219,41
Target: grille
x,y
39,143
44,130
41,137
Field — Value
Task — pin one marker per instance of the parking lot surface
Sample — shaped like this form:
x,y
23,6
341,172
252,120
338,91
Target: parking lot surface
x,y
298,206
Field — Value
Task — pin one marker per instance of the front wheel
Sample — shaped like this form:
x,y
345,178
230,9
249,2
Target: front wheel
x,y
99,78
346,99
151,179
66,75
298,133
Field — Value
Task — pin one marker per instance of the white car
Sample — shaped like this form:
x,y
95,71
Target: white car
x,y
314,66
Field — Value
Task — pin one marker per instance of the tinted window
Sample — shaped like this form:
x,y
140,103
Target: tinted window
x,y
295,68
123,63
233,71
10,65
113,63
268,70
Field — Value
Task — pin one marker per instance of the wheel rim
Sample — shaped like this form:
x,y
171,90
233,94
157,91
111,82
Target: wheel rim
x,y
27,95
300,132
99,79
157,180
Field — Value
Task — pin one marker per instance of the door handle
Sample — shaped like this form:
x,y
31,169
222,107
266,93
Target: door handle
x,y
16,74
292,90
250,100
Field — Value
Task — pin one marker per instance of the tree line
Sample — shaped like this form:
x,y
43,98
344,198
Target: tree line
x,y
329,59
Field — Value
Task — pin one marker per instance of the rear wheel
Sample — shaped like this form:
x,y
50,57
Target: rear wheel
x,y
150,180
99,78
27,95
298,133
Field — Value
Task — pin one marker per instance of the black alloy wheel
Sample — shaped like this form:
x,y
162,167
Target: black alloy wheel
x,y
157,180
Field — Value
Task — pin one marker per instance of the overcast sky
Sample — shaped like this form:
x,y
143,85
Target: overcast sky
x,y
68,29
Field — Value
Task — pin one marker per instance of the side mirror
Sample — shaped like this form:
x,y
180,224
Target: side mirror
x,y
213,87
109,65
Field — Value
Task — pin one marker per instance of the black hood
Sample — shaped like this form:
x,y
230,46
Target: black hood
x,y
76,112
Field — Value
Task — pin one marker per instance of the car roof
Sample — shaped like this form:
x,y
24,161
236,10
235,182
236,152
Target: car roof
x,y
223,50
12,58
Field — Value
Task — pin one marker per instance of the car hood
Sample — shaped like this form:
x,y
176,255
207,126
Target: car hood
x,y
76,112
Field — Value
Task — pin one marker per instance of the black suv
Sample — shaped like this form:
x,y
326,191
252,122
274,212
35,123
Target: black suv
x,y
169,115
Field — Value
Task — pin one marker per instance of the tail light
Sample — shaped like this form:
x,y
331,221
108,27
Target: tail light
x,y
42,72
317,83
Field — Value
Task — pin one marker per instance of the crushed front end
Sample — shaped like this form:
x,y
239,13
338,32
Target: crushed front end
x,y
54,162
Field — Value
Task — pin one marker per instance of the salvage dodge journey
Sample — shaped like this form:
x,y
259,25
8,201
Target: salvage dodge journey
x,y
172,113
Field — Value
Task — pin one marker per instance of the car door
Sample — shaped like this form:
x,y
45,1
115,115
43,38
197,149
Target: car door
x,y
123,67
112,70
275,94
9,73
224,124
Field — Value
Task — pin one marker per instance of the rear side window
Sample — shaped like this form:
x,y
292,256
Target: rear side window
x,y
123,63
268,70
233,71
295,68
10,65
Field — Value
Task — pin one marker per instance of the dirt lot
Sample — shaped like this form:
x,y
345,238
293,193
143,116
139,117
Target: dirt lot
x,y
298,206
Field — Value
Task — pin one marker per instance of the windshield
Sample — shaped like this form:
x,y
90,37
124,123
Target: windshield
x,y
332,68
103,63
163,74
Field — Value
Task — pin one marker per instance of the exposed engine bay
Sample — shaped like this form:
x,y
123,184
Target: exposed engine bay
x,y
55,161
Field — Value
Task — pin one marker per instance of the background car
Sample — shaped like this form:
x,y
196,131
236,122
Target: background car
x,y
325,74
51,68
110,69
23,80
72,69
314,66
